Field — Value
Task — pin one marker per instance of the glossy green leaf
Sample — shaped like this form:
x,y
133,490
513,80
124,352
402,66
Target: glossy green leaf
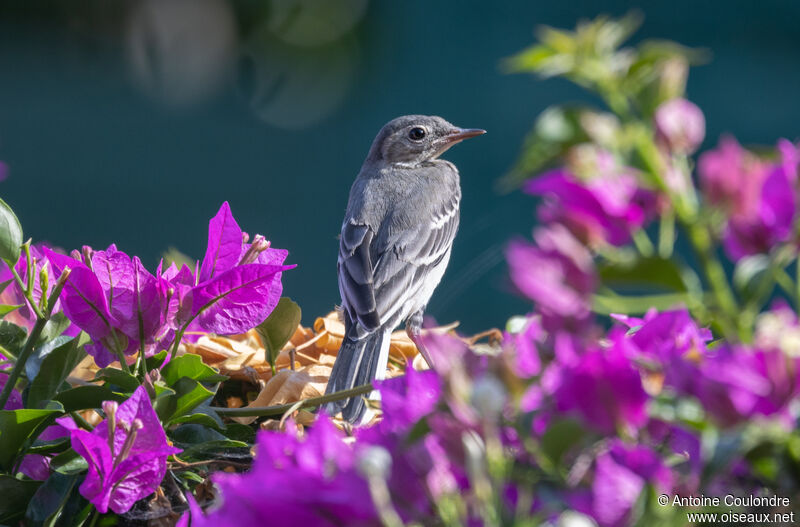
x,y
279,327
86,397
16,427
240,432
47,504
56,365
192,367
189,394
643,272
155,362
54,327
165,402
69,462
6,309
15,494
197,419
54,446
10,234
12,337
117,377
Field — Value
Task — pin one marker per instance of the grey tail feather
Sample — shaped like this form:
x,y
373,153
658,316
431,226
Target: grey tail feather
x,y
356,364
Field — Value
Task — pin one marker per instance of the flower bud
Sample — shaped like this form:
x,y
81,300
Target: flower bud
x,y
44,282
87,253
375,462
259,245
680,126
110,409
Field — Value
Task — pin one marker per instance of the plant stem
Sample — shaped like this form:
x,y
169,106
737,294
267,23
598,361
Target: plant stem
x,y
265,411
26,293
23,358
643,244
666,234
723,294
797,284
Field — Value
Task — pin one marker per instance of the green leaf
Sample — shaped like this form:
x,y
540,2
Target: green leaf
x,y
55,367
54,327
750,273
191,366
155,362
52,446
6,309
69,462
41,351
165,402
556,130
189,393
651,271
240,432
47,504
15,494
117,377
205,415
559,438
221,448
10,234
197,440
636,305
279,327
12,337
16,427
86,397
173,256
196,419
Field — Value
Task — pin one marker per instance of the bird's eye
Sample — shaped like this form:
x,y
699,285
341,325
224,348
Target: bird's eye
x,y
416,133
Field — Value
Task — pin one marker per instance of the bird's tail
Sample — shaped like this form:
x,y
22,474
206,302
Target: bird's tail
x,y
358,362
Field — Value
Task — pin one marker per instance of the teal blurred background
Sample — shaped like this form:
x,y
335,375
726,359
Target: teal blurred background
x,y
130,122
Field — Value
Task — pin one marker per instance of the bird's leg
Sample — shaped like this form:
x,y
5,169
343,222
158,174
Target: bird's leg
x,y
414,330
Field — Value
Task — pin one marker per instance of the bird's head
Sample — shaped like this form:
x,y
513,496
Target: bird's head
x,y
414,139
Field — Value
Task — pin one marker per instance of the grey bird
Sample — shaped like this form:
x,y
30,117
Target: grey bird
x,y
395,244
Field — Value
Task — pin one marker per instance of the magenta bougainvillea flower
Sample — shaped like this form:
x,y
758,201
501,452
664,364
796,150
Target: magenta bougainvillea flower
x,y
680,126
524,346
666,343
603,208
106,295
735,383
125,308
557,274
127,453
731,177
604,389
620,474
237,285
405,400
759,197
772,220
311,480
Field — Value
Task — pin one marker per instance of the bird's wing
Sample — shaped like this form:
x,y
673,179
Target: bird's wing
x,y
356,283
406,255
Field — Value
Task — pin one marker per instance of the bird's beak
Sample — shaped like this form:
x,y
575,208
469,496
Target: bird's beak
x,y
455,136
459,134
